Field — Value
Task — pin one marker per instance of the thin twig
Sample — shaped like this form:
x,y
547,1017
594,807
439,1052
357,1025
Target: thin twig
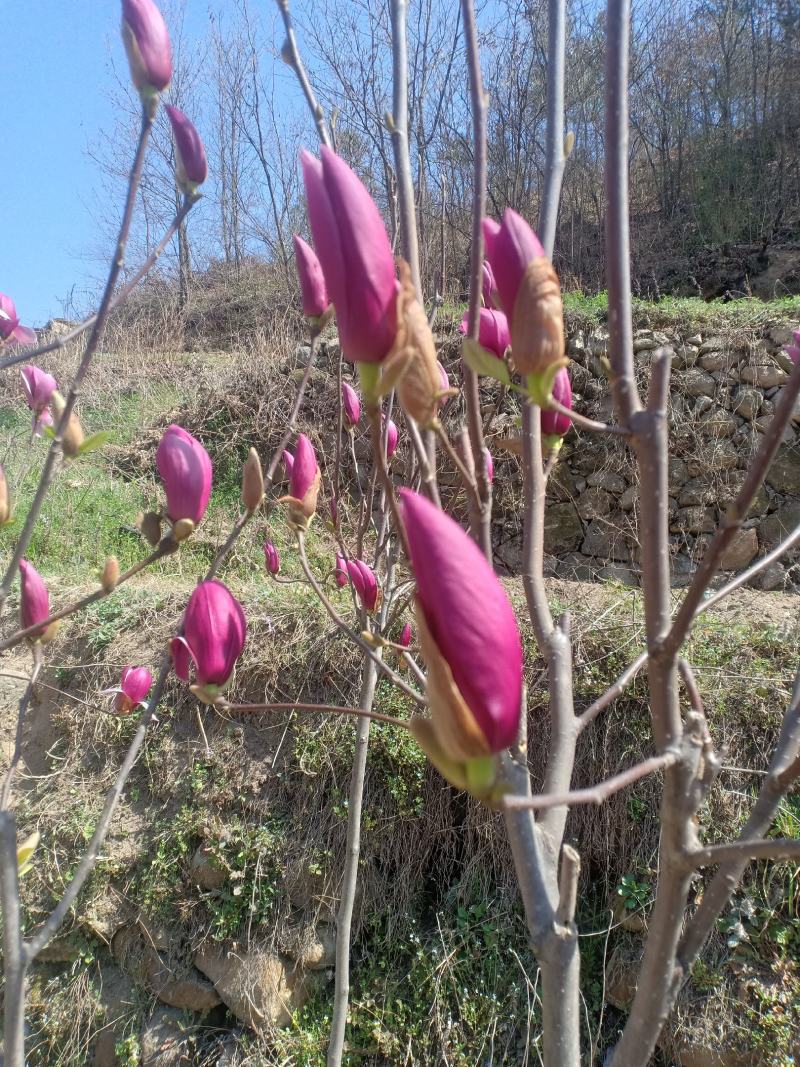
x,y
55,451
324,709
595,794
466,476
119,297
592,425
777,848
8,777
291,423
165,548
291,54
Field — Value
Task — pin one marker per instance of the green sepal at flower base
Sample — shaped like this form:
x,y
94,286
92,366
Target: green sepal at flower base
x,y
482,361
539,386
480,777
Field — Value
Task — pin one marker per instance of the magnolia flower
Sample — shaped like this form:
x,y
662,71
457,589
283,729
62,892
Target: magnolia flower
x,y
191,165
493,332
34,603
303,484
530,294
340,570
793,350
312,280
185,469
134,685
214,633
40,422
554,424
288,463
39,387
470,642
10,328
355,254
404,640
146,40
351,405
363,580
271,557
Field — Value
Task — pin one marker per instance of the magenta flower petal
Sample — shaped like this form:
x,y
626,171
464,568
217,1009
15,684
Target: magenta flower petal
x,y
405,636
147,43
469,617
340,570
271,557
34,605
487,457
181,658
191,165
493,332
509,249
214,632
356,256
367,588
351,405
185,469
10,328
288,463
391,439
312,281
134,686
553,422
304,468
39,387
489,285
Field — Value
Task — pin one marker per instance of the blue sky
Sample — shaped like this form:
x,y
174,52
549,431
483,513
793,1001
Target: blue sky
x,y
55,75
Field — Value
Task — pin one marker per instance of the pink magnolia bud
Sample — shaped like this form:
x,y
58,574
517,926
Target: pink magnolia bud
x,y
288,463
391,439
134,685
39,387
490,295
351,405
355,254
10,328
191,165
271,557
530,294
487,456
468,635
364,582
312,280
553,422
444,383
793,350
493,332
146,40
304,483
185,469
34,604
40,422
340,570
405,636
214,633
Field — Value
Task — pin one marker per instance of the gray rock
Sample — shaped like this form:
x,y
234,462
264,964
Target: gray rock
x,y
313,947
696,339
628,499
206,871
677,471
165,1042
594,503
608,480
784,474
697,492
782,335
562,528
718,423
702,405
576,568
713,344
697,382
717,455
775,527
616,572
771,578
260,988
742,550
682,570
715,361
684,357
764,377
604,539
748,403
694,520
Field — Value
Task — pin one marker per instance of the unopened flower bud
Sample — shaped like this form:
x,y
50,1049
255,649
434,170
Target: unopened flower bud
x,y
182,529
554,424
185,469
271,557
110,575
5,499
72,437
34,604
146,40
191,165
304,483
340,570
252,482
405,636
134,685
413,356
351,406
316,303
391,439
214,633
150,527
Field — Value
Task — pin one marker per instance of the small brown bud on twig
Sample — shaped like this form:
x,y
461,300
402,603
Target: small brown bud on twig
x,y
182,529
73,434
252,482
110,575
149,525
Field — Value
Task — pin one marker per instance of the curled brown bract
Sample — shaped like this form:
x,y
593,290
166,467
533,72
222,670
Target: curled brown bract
x,y
537,325
301,512
454,725
413,355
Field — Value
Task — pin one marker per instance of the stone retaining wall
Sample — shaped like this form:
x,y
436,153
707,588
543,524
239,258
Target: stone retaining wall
x,y
722,396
